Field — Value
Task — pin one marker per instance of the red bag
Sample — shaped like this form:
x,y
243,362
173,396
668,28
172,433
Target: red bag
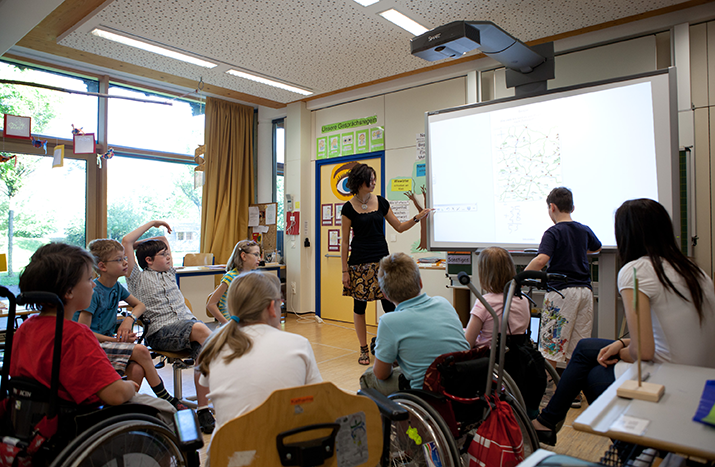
x,y
498,441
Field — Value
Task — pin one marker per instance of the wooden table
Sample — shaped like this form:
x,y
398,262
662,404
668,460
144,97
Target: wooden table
x,y
670,426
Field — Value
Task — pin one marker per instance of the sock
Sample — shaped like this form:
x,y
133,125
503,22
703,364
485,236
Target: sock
x,y
162,393
202,408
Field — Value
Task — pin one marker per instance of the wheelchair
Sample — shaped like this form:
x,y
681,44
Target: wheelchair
x,y
37,428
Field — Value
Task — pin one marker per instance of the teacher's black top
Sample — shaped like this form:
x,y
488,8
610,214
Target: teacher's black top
x,y
369,244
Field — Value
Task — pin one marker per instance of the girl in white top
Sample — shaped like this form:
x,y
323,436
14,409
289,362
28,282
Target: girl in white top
x,y
250,357
245,257
496,269
676,304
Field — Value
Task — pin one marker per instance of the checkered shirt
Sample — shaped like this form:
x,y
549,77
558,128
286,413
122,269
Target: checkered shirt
x,y
161,295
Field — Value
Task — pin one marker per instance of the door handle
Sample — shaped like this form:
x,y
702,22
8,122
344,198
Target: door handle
x,y
328,255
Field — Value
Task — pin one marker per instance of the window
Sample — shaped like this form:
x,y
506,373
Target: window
x,y
53,112
176,128
38,205
279,157
140,190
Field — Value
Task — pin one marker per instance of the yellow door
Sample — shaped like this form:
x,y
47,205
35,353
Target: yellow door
x,y
333,194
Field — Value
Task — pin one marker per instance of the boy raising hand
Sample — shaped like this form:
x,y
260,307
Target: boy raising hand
x,y
173,327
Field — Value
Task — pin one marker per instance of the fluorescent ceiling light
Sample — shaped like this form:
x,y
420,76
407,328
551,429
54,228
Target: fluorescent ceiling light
x,y
404,22
367,2
269,82
139,44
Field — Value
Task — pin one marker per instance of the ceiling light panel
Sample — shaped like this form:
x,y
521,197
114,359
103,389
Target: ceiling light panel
x,y
269,82
149,47
366,2
404,22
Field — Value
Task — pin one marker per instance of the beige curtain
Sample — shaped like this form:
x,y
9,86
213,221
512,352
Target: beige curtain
x,y
228,187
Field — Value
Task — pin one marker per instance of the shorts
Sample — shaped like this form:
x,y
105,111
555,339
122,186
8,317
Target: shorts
x,y
363,282
175,337
564,322
118,354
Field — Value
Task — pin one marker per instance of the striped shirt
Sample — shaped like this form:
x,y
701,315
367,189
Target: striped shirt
x,y
161,295
226,279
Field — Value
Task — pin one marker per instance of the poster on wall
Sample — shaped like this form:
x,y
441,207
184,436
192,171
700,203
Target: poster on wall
x,y
333,240
322,149
361,139
334,150
327,217
338,214
346,146
377,138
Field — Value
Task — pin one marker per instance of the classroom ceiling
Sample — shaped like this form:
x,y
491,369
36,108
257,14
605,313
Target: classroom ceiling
x,y
321,45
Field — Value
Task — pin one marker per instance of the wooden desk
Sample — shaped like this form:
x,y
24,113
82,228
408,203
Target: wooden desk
x,y
671,426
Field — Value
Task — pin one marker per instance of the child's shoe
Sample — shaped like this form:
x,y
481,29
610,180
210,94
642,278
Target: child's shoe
x,y
206,420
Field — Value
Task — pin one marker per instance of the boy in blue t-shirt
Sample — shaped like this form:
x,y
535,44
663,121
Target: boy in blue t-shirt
x,y
565,246
128,358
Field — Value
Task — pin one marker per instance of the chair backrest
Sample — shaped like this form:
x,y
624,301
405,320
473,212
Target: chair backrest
x,y
198,259
251,438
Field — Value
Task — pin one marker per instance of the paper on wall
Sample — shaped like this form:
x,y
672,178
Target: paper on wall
x,y
270,214
253,215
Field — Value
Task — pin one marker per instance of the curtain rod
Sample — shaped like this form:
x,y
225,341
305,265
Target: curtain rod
x,y
70,91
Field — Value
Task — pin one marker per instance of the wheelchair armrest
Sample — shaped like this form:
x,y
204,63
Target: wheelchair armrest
x,y
388,408
186,424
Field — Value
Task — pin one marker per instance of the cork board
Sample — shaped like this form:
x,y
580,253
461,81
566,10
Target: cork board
x,y
268,239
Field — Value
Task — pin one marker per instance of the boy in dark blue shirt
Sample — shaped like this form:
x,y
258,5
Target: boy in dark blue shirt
x,y
565,246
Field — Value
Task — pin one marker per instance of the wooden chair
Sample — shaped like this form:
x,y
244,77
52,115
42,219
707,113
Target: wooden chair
x,y
301,421
198,259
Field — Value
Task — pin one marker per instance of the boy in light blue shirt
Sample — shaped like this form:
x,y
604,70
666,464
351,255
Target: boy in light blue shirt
x,y
419,330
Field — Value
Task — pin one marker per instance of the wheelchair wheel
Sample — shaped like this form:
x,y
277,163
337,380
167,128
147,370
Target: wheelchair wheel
x,y
423,436
127,443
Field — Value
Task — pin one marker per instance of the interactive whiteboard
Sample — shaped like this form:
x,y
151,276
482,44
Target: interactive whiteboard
x,y
490,166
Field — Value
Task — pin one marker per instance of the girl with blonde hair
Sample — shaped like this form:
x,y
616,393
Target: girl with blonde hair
x,y
245,257
250,357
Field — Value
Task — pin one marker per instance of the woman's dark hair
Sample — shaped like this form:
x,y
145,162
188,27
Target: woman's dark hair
x,y
359,175
148,249
56,268
644,228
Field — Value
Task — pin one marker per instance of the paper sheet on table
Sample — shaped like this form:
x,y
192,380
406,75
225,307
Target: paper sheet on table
x,y
270,214
632,425
253,215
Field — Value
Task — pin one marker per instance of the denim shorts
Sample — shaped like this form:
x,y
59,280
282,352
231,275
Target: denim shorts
x,y
175,337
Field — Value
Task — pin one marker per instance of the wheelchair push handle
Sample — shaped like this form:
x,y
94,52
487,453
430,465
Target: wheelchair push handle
x,y
40,298
48,298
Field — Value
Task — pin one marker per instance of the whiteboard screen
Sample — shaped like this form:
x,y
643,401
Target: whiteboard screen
x,y
490,166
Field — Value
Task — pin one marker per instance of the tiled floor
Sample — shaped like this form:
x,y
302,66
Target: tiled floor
x,y
336,351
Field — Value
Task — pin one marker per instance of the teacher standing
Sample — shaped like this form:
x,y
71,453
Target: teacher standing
x,y
364,213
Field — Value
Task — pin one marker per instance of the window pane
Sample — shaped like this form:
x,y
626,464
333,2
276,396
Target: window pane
x,y
139,191
280,143
39,204
280,199
53,112
177,128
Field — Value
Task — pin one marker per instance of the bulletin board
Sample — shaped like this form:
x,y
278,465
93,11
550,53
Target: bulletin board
x,y
269,238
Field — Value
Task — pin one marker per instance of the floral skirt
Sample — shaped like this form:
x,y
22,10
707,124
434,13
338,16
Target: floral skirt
x,y
363,282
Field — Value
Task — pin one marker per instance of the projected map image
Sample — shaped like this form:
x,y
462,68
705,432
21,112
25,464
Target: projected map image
x,y
527,163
